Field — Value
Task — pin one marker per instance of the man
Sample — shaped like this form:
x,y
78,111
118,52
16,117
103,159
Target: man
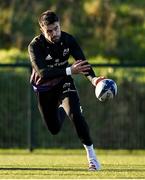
x,y
52,81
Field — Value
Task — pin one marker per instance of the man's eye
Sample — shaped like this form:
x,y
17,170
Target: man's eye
x,y
56,28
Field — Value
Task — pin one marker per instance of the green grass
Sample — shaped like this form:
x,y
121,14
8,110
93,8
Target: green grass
x,y
70,164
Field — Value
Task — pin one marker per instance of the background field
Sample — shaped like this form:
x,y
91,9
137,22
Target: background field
x,y
70,164
111,32
108,31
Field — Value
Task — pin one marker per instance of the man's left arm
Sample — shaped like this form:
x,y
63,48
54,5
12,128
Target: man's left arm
x,y
78,54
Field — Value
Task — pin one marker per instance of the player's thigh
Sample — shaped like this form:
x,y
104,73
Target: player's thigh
x,y
48,104
71,104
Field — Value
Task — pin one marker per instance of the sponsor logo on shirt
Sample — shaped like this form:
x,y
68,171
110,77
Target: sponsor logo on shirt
x,y
57,64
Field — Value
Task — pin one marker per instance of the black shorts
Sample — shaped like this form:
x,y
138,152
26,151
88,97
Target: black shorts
x,y
63,97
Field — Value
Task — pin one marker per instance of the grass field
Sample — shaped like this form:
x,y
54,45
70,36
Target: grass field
x,y
70,164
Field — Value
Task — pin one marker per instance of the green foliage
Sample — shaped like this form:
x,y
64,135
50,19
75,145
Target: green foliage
x,y
112,29
13,55
130,33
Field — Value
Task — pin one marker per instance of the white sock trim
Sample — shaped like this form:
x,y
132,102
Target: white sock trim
x,y
90,152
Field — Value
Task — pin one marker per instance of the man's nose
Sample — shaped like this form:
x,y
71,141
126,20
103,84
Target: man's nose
x,y
53,33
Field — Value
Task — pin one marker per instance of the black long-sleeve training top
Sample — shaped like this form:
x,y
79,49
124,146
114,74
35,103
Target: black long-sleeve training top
x,y
50,60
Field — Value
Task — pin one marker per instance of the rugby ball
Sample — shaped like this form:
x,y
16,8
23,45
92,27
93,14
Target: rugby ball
x,y
105,90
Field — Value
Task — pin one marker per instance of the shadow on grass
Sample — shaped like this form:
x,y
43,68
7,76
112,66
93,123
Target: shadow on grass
x,y
40,169
70,169
124,170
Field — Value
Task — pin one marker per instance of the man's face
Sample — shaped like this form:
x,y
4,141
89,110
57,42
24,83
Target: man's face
x,y
52,32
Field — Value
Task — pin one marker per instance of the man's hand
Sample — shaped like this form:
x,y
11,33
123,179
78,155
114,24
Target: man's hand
x,y
96,80
80,67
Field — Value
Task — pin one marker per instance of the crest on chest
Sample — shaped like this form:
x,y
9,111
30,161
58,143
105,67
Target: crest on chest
x,y
65,51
